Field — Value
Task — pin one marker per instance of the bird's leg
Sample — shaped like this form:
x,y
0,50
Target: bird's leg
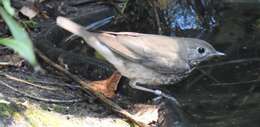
x,y
134,85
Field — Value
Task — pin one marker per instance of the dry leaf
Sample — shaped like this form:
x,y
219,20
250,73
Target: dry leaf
x,y
28,12
107,86
147,113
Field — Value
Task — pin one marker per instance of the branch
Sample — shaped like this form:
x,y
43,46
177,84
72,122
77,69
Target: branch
x,y
85,86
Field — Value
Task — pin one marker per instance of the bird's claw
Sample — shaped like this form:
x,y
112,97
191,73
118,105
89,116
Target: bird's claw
x,y
171,98
160,93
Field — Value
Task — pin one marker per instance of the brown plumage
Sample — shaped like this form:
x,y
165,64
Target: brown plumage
x,y
146,58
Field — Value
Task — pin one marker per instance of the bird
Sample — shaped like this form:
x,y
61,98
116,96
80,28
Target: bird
x,y
146,59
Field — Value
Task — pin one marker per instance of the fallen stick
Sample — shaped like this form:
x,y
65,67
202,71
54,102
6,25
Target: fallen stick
x,y
85,86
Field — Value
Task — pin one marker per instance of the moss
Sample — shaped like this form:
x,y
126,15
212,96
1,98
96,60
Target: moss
x,y
40,117
10,113
59,108
31,115
6,110
54,107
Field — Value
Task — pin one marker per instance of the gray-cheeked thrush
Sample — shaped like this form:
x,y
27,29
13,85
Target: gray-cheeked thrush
x,y
146,58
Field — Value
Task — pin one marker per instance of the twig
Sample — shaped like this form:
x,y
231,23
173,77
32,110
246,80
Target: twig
x,y
218,83
26,82
40,98
236,83
229,62
157,18
124,6
85,86
5,64
206,73
203,73
194,81
58,84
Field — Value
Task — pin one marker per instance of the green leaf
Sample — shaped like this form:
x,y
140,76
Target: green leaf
x,y
29,24
20,47
7,6
22,43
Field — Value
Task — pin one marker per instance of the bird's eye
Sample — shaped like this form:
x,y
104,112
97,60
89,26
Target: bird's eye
x,y
201,50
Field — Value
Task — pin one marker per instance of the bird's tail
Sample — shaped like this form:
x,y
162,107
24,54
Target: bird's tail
x,y
71,26
91,39
79,30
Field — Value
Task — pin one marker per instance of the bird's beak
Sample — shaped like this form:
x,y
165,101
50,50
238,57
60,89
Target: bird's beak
x,y
219,54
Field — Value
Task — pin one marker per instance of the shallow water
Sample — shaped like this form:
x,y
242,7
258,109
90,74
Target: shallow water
x,y
228,94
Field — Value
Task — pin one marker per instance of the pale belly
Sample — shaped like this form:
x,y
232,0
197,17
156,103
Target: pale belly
x,y
140,73
147,76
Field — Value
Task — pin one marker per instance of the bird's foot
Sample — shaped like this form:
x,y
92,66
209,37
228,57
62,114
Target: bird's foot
x,y
156,92
160,93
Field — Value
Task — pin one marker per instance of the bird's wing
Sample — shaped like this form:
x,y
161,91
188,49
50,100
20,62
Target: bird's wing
x,y
157,52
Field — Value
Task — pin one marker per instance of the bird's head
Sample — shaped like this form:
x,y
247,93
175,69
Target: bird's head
x,y
196,51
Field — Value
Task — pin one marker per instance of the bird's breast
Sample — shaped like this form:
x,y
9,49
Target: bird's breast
x,y
148,76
